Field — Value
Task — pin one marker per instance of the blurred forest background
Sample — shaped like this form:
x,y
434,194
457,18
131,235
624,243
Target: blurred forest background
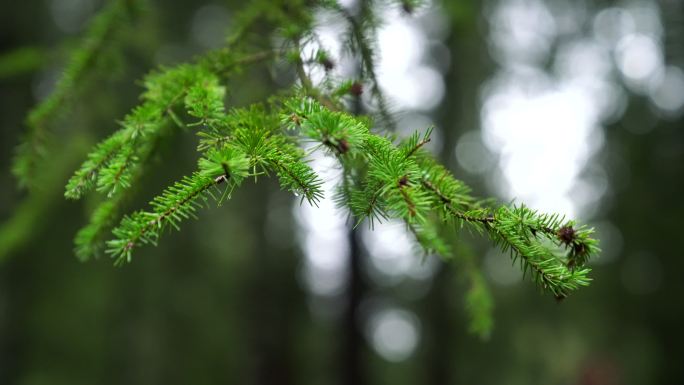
x,y
569,106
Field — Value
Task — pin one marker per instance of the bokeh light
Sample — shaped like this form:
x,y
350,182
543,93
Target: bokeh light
x,y
394,333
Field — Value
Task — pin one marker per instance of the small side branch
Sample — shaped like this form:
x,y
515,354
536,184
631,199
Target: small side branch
x,y
449,204
417,147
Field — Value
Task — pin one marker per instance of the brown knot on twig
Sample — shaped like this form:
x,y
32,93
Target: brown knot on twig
x,y
566,234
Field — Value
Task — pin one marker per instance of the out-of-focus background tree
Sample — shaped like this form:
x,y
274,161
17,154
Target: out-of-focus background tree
x,y
569,106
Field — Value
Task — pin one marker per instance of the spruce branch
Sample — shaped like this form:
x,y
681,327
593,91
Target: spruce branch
x,y
180,201
298,177
253,146
448,204
428,237
415,142
112,164
96,39
362,41
513,231
116,163
479,304
382,178
404,182
89,239
85,178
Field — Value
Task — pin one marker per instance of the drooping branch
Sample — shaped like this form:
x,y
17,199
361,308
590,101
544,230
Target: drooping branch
x,y
381,179
385,189
227,167
97,38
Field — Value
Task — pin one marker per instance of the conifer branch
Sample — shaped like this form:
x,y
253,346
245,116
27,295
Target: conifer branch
x,y
88,240
415,143
145,227
298,178
479,303
85,177
381,179
362,41
228,166
96,39
111,166
403,182
448,203
398,181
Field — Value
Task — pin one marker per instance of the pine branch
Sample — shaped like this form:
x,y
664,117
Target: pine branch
x,y
415,143
33,146
113,162
116,163
479,304
512,232
253,146
89,239
362,41
381,179
297,177
145,227
85,177
403,182
428,237
180,201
